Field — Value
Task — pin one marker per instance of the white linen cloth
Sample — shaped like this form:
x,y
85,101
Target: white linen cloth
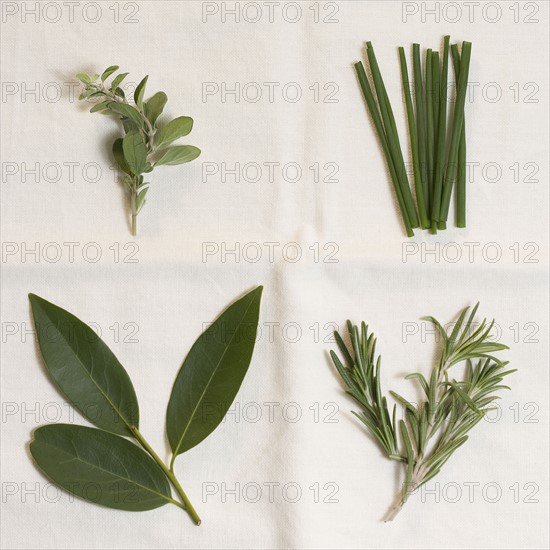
x,y
290,447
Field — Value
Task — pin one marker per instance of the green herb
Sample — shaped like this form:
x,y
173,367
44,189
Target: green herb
x,y
429,127
144,145
441,136
121,474
458,124
461,169
416,135
431,431
375,114
434,170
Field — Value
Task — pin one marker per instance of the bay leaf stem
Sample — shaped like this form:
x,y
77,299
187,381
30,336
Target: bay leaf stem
x,y
187,506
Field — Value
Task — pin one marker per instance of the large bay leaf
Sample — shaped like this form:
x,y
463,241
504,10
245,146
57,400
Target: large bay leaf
x,y
100,467
84,368
212,373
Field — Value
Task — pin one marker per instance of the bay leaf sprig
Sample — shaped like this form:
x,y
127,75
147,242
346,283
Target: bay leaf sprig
x,y
430,431
113,464
145,144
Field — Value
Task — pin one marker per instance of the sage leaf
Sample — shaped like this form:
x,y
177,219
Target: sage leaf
x,y
108,72
135,152
154,106
140,92
127,111
178,155
84,368
212,373
100,467
118,80
84,78
140,199
100,106
118,153
175,129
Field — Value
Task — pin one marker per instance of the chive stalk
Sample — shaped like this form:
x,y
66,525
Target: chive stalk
x,y
416,140
429,128
461,169
435,84
375,114
458,122
441,135
435,109
392,136
420,127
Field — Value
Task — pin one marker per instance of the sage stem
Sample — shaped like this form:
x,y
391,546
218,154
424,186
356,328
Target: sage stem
x,y
133,197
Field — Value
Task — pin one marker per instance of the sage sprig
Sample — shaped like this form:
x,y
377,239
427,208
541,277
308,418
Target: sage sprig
x,y
145,144
432,430
104,465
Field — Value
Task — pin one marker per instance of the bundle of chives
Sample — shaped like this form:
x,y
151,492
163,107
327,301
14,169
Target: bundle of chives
x,y
435,170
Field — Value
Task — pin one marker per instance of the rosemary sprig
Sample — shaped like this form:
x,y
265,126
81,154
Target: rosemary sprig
x,y
433,430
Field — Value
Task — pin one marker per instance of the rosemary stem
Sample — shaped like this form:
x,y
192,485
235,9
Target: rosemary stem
x,y
407,490
187,506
